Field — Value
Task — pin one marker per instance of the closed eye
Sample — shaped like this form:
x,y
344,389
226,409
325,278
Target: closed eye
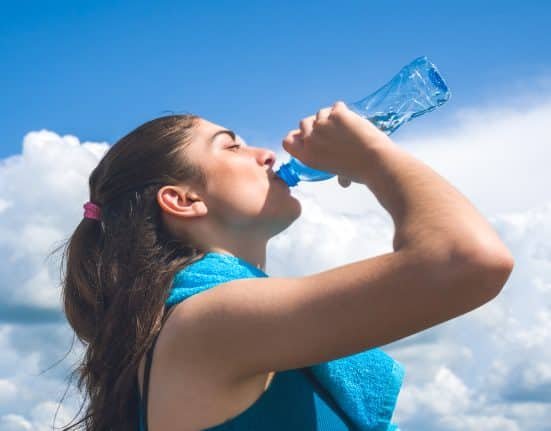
x,y
235,146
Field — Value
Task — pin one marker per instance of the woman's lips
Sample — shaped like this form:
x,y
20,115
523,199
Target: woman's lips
x,y
280,180
277,178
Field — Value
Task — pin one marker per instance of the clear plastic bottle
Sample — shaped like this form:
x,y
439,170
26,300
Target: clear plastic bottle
x,y
416,89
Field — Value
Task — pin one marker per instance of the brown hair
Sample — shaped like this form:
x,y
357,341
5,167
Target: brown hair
x,y
119,270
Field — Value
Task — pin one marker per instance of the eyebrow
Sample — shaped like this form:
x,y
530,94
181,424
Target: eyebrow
x,y
220,132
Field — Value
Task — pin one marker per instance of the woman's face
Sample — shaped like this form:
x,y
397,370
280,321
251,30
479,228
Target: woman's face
x,y
243,192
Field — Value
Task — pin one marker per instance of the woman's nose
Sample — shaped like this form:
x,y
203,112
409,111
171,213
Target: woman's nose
x,y
268,156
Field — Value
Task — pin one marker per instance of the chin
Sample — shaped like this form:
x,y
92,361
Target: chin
x,y
293,213
278,223
298,207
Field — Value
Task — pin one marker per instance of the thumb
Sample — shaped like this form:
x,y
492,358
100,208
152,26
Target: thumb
x,y
344,181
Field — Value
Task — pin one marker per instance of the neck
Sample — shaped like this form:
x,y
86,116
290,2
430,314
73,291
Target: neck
x,y
248,243
255,256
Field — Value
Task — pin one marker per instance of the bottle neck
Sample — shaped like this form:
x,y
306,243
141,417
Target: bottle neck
x,y
287,174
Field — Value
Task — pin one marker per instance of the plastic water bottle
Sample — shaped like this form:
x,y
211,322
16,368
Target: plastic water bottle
x,y
416,89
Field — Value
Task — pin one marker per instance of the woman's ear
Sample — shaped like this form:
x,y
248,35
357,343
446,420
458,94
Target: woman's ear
x,y
181,202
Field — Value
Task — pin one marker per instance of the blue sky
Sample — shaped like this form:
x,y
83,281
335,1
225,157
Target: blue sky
x,y
98,69
75,77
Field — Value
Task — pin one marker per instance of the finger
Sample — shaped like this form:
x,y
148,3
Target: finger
x,y
292,141
339,105
323,113
293,136
306,125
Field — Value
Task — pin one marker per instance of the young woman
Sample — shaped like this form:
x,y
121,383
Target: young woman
x,y
180,186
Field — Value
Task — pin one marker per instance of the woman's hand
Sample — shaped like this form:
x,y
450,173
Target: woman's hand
x,y
335,140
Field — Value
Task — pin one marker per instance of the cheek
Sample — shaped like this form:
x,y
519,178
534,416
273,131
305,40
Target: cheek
x,y
249,197
241,197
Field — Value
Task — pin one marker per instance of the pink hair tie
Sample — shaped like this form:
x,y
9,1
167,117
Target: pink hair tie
x,y
92,211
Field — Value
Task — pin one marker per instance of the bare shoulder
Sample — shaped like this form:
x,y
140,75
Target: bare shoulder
x,y
183,375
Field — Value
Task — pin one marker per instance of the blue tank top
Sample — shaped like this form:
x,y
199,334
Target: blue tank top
x,y
295,399
292,402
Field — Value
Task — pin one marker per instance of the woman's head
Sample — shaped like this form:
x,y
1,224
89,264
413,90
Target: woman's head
x,y
241,204
168,193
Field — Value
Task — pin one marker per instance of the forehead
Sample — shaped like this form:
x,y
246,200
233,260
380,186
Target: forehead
x,y
206,130
207,126
202,130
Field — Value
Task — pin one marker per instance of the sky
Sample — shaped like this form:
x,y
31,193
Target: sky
x,y
75,77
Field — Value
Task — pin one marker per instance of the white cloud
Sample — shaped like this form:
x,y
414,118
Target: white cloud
x,y
486,423
41,418
487,369
41,191
8,390
446,394
15,423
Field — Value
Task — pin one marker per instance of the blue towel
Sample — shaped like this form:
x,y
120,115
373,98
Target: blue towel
x,y
364,385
